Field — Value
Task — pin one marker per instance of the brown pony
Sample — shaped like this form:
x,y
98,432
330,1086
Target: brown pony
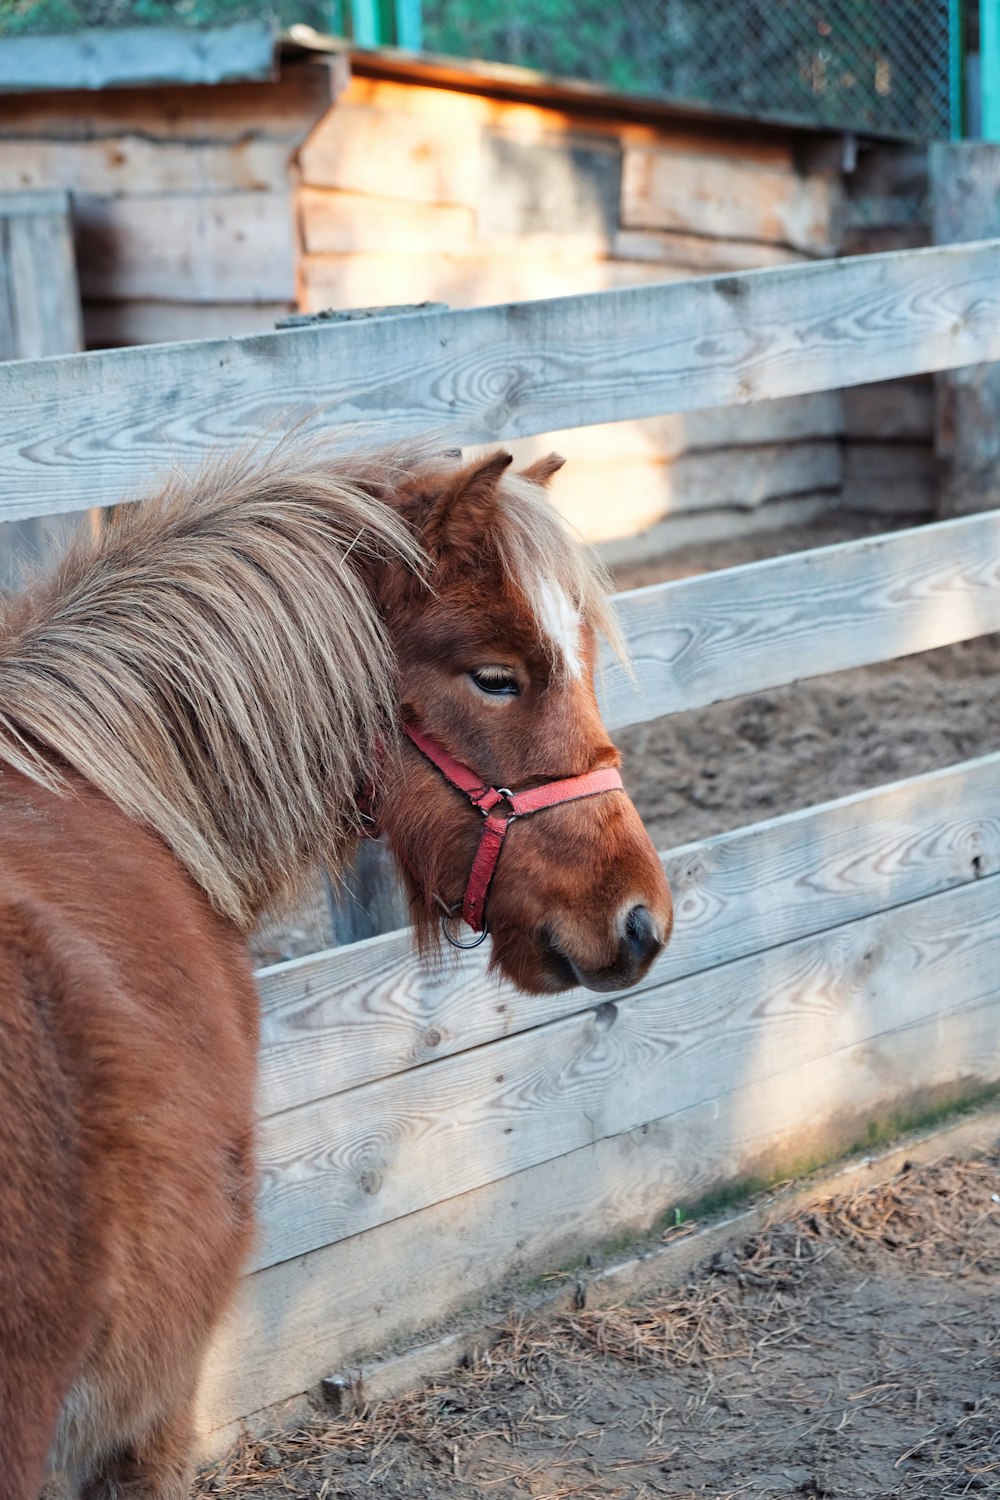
x,y
193,708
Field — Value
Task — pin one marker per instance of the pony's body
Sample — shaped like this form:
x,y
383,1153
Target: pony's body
x,y
129,1022
190,710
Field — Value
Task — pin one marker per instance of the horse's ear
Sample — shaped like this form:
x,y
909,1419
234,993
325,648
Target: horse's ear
x,y
462,512
542,470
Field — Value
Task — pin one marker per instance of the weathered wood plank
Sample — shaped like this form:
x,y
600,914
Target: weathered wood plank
x,y
720,635
896,411
701,252
341,1166
78,432
345,223
39,316
420,157
479,278
132,165
324,1312
890,478
664,189
965,202
698,528
336,1020
199,247
109,57
566,182
284,110
117,325
545,111
791,420
701,480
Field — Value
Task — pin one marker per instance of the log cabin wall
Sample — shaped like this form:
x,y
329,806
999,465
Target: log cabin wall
x,y
182,197
211,210
413,191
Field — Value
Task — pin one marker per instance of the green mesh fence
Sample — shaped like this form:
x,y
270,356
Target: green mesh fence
x,y
879,65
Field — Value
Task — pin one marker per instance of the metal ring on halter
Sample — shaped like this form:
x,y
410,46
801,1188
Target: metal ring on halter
x,y
455,916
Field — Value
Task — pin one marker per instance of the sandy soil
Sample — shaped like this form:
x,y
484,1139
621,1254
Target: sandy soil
x,y
849,1353
717,768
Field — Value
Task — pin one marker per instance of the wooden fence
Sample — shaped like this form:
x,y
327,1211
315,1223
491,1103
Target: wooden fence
x,y
425,1135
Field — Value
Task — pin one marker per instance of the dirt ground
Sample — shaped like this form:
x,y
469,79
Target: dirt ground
x,y
851,1352
714,769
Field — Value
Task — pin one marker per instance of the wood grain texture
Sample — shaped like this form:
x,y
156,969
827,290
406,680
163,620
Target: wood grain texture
x,y
340,1019
198,247
701,252
39,316
78,433
965,204
324,1312
341,1166
429,158
39,294
285,109
720,635
664,189
346,223
131,165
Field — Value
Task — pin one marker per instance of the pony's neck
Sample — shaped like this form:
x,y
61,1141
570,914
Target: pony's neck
x,y
215,663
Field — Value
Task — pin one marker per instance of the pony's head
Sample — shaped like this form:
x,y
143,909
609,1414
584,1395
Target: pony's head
x,y
495,649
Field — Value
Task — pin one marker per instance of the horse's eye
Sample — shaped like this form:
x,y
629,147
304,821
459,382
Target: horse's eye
x,y
498,682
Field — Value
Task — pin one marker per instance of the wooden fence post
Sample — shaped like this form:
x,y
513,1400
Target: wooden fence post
x,y
39,315
965,202
372,900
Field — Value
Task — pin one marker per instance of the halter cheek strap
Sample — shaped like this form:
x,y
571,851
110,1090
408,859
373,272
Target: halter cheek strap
x,y
495,826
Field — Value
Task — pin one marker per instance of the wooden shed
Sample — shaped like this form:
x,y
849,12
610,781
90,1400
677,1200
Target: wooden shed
x,y
336,179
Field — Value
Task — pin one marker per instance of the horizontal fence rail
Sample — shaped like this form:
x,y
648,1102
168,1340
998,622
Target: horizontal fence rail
x,y
87,430
720,635
350,1016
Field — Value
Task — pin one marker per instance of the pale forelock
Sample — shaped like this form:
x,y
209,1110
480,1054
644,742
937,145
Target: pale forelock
x,y
562,580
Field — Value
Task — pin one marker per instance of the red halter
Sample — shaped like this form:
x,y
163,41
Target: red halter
x,y
486,798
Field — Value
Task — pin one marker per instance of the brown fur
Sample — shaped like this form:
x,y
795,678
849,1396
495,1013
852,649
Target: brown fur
x,y
188,707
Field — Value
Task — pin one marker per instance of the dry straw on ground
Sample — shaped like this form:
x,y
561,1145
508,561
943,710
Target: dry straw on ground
x,y
851,1351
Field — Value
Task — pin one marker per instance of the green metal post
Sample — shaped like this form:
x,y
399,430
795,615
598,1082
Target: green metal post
x,y
410,24
365,28
956,68
989,67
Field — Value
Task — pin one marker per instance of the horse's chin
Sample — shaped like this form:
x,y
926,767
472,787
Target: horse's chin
x,y
540,966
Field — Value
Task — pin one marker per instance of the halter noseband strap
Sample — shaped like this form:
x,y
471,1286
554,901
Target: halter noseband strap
x,y
495,826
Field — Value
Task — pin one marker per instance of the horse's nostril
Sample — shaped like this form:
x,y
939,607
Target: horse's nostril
x,y
641,934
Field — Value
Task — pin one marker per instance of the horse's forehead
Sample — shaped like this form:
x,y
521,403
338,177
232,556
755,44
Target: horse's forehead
x,y
524,611
543,608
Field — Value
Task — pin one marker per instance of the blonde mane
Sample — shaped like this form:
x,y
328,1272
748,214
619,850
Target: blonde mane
x,y
213,661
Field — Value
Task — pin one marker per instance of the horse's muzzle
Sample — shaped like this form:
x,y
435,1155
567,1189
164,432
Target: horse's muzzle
x,y
641,942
